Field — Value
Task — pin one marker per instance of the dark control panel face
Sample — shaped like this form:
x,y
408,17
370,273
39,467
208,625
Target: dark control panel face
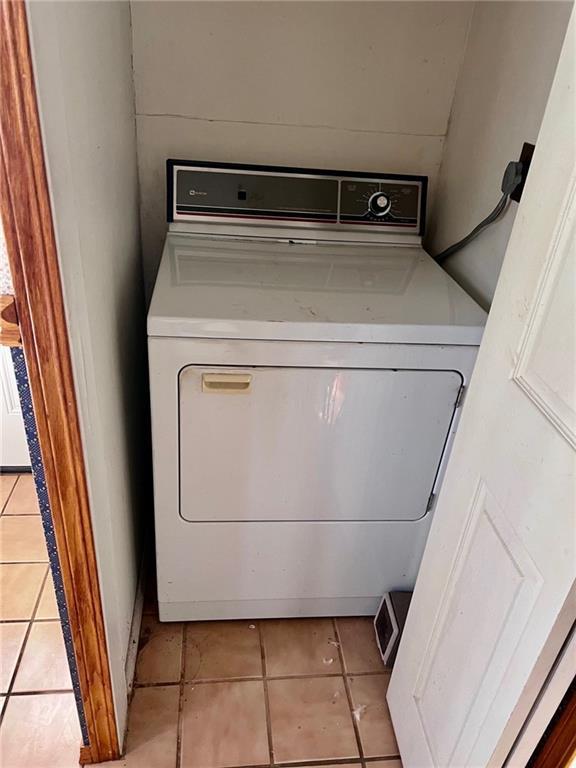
x,y
300,197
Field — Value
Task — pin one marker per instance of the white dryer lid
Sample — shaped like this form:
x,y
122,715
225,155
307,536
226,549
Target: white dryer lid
x,y
253,289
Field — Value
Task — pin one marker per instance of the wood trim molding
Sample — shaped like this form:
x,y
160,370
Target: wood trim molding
x,y
557,748
9,330
32,254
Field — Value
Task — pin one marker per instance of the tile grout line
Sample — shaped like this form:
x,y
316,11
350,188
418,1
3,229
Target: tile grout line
x,y
321,763
10,494
347,689
22,621
318,763
40,693
23,562
181,696
20,514
254,678
266,697
24,643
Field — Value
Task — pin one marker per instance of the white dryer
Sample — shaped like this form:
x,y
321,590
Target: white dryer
x,y
307,363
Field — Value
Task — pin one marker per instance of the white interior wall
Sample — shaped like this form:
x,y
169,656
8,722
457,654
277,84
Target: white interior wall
x,y
510,60
82,55
352,85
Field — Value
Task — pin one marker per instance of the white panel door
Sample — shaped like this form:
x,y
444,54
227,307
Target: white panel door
x,y
311,443
501,557
13,446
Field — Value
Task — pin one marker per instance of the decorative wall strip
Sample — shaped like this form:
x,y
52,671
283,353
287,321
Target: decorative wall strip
x,y
46,514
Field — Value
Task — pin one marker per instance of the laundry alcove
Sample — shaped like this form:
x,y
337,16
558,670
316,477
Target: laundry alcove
x,y
447,90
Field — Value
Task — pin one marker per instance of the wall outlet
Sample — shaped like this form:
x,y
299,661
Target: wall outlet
x,y
525,159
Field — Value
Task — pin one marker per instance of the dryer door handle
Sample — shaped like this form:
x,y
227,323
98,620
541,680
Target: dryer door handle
x,y
226,383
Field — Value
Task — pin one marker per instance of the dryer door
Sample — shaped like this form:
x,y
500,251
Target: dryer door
x,y
311,443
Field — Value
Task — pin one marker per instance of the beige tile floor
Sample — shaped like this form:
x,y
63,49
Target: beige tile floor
x,y
38,719
259,693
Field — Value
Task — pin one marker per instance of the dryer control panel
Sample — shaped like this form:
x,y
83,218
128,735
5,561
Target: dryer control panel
x,y
295,196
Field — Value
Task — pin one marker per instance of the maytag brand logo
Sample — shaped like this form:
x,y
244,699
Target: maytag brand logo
x,y
194,192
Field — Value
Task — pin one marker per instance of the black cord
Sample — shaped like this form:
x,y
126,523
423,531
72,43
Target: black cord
x,y
512,177
490,219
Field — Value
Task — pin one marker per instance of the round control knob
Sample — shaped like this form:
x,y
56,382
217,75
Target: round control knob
x,y
379,204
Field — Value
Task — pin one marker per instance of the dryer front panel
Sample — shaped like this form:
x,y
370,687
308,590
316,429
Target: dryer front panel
x,y
316,444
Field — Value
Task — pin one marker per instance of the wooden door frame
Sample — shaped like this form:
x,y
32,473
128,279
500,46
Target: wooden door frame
x,y
32,254
557,748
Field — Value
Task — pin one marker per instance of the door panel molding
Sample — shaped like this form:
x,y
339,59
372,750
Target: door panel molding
x,y
32,254
487,536
543,387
